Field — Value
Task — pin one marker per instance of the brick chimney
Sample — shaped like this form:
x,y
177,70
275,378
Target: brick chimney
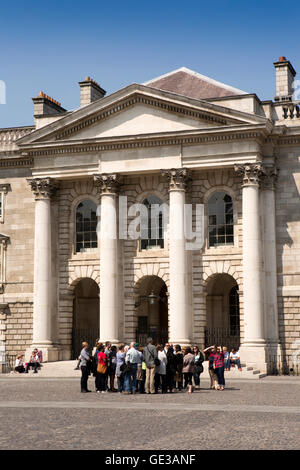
x,y
44,105
285,74
90,91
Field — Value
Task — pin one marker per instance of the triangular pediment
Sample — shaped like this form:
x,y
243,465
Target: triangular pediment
x,y
138,110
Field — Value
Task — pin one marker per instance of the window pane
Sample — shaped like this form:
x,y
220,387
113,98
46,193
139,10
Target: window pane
x,y
220,221
86,225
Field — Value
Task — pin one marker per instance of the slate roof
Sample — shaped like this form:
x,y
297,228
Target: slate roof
x,y
186,82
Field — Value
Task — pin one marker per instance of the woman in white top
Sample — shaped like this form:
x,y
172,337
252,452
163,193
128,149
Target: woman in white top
x,y
19,366
161,370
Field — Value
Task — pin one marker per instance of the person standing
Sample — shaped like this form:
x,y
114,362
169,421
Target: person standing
x,y
171,368
179,365
131,362
226,358
150,357
120,368
112,360
199,358
219,368
188,368
101,370
211,352
85,357
160,370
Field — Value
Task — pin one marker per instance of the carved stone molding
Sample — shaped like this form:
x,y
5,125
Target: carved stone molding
x,y
177,178
43,188
251,173
269,177
108,183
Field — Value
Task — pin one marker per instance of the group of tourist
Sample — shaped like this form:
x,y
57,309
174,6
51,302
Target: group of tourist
x,y
34,362
151,369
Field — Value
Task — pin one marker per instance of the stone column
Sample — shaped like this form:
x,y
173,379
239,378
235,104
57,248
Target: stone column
x,y
270,264
43,189
108,185
180,319
253,349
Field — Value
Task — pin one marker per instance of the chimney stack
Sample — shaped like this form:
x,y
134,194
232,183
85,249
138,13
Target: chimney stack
x,y
90,91
45,105
285,74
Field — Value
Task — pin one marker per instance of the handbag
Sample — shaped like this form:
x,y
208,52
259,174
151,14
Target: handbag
x,y
101,368
156,360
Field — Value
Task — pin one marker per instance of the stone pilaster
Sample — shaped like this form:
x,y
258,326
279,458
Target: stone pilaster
x,y
253,349
43,334
180,317
109,185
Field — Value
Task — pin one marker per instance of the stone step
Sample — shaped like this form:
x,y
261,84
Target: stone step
x,y
66,369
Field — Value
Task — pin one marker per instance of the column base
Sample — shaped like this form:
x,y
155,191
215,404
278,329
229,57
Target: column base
x,y
51,353
254,354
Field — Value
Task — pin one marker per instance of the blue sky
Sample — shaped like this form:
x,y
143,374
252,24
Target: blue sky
x,y
51,46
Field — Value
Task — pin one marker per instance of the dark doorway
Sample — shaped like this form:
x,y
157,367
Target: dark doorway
x,y
85,315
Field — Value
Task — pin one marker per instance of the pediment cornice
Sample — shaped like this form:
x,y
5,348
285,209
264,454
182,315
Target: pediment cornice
x,y
205,136
103,109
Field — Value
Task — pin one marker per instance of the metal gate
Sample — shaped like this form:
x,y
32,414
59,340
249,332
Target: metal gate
x,y
229,337
90,335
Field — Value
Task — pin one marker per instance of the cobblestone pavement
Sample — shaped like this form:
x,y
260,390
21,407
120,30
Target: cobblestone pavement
x,y
53,414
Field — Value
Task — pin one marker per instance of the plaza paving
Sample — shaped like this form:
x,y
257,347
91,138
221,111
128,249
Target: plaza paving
x,y
51,413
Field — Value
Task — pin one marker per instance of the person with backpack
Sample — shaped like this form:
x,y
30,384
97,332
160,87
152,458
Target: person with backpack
x,y
151,360
199,359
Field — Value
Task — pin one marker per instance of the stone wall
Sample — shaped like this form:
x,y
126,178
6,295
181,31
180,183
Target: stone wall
x,y
288,245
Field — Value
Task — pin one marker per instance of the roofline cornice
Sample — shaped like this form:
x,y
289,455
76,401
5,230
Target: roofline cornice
x,y
204,136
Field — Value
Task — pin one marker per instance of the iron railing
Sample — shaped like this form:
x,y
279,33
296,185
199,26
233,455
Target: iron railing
x,y
287,364
229,337
9,364
89,335
159,336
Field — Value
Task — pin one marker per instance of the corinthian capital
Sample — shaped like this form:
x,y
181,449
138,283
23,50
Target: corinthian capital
x,y
108,183
42,188
177,178
250,172
269,177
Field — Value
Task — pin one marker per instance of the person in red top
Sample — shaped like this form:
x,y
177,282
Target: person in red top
x,y
219,367
101,378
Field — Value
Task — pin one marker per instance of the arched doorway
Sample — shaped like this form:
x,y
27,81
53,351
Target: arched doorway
x,y
151,306
222,312
85,314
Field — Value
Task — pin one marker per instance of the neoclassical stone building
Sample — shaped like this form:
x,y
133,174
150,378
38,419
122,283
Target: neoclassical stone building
x,y
178,139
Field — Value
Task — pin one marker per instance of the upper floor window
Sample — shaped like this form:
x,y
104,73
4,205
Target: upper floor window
x,y
220,219
152,224
86,226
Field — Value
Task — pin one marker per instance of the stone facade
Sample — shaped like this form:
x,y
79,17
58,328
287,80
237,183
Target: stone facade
x,y
136,143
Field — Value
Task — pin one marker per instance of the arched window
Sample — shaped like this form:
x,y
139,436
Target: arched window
x,y
220,219
152,224
86,226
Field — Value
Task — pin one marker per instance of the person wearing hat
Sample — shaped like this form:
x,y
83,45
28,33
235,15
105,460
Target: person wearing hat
x,y
132,360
